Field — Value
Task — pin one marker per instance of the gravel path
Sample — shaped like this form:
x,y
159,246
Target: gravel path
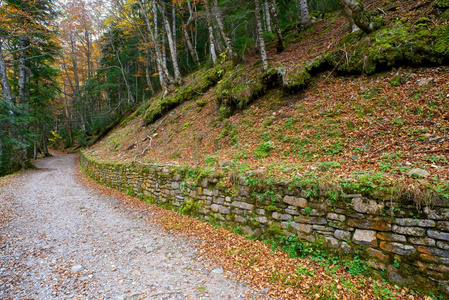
x,y
62,240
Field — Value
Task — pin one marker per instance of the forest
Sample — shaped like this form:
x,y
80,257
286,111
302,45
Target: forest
x,y
70,71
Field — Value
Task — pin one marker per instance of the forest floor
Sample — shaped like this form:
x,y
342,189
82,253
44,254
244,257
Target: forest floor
x,y
65,237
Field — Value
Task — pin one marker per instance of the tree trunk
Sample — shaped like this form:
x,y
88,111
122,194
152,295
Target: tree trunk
x,y
305,17
266,10
357,16
171,43
131,100
23,79
211,33
227,40
263,53
192,50
4,78
277,29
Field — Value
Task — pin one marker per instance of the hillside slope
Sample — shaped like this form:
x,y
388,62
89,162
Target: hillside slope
x,y
313,115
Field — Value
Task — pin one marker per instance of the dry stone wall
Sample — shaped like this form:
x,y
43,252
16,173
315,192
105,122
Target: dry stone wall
x,y
410,246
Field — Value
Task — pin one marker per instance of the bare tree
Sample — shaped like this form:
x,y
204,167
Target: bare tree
x,y
305,17
277,28
211,33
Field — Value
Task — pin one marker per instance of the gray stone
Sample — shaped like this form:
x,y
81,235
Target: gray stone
x,y
293,212
422,241
365,237
217,271
149,249
243,190
418,172
354,157
397,248
220,208
424,81
306,228
393,274
295,201
225,163
414,222
415,231
342,234
323,228
336,217
242,205
208,192
437,213
239,219
262,220
331,242
175,185
345,247
365,206
438,235
443,245
386,236
443,225
284,217
260,211
77,268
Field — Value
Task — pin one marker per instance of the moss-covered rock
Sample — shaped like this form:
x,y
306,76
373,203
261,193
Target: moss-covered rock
x,y
440,37
444,4
201,82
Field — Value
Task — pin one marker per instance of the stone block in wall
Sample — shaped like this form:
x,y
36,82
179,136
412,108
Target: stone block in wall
x,y
414,222
438,235
397,248
242,205
443,225
379,224
375,264
435,267
218,200
342,234
239,219
317,213
251,231
345,247
203,183
262,220
391,237
365,237
322,228
175,185
292,211
331,242
435,251
336,217
437,213
301,227
220,208
378,255
308,237
244,190
208,192
414,231
425,241
366,206
279,216
296,201
260,211
443,245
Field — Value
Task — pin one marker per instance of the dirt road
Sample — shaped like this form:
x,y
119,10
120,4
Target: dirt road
x,y
60,239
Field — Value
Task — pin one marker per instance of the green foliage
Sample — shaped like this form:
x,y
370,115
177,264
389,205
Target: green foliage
x,y
440,36
190,207
356,266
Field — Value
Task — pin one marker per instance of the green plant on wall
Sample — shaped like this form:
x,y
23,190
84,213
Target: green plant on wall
x,y
190,207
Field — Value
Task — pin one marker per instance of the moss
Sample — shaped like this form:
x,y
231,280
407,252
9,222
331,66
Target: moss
x,y
443,4
441,39
201,82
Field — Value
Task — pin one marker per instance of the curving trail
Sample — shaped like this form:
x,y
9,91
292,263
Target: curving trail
x,y
60,239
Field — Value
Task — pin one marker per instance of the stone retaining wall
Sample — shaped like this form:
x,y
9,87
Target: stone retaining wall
x,y
411,247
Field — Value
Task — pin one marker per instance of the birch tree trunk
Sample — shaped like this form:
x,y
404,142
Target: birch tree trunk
x,y
227,40
266,10
23,79
305,17
190,47
277,29
263,53
4,78
171,43
211,33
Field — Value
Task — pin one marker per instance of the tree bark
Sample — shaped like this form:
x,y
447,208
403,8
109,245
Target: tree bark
x,y
211,33
171,43
227,40
305,17
24,77
263,53
266,10
4,78
192,50
277,28
357,16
